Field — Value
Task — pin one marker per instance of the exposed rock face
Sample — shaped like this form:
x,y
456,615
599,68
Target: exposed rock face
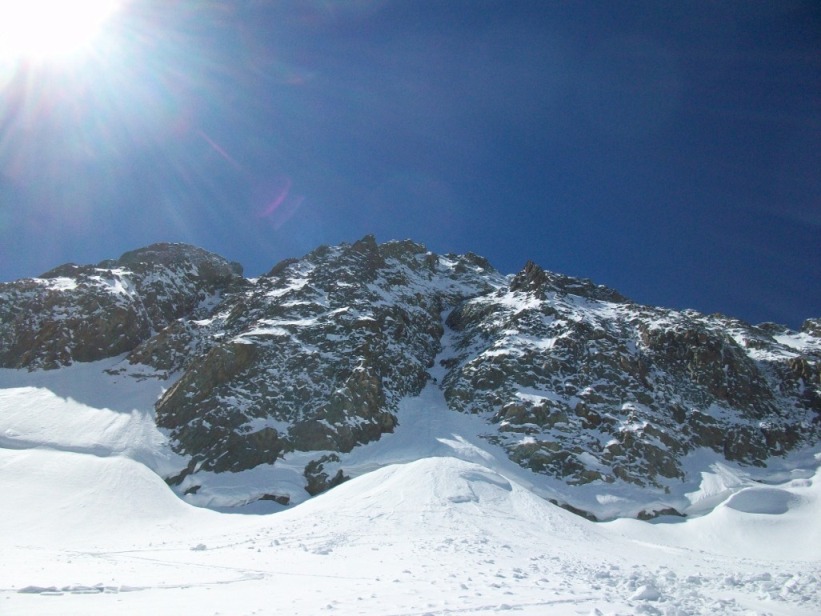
x,y
573,379
84,313
318,353
604,389
317,480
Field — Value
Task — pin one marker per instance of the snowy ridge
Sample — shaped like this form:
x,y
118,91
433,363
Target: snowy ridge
x,y
87,409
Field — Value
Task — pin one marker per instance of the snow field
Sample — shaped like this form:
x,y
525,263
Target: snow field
x,y
434,521
95,535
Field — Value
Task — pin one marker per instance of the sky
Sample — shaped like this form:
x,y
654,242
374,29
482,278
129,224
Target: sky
x,y
670,150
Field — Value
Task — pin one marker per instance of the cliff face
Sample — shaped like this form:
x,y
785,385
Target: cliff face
x,y
317,356
605,389
572,379
84,313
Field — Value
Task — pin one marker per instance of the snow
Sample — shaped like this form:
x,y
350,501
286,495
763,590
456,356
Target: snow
x,y
85,408
295,285
61,283
36,417
799,341
92,535
716,485
770,501
436,520
780,523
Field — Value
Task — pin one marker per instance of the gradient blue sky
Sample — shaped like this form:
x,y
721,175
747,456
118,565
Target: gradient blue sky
x,y
671,150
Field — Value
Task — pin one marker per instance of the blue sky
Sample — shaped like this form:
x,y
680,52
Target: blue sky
x,y
670,150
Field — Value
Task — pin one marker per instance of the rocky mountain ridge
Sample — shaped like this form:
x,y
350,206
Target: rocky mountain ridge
x,y
84,313
312,361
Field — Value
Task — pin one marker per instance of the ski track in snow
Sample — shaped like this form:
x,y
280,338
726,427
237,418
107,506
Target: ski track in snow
x,y
434,522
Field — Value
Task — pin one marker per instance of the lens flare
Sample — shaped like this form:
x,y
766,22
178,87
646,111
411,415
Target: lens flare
x,y
50,29
282,205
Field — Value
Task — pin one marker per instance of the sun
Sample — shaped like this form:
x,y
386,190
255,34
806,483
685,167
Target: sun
x,y
38,30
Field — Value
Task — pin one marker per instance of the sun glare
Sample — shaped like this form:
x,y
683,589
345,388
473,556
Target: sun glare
x,y
50,29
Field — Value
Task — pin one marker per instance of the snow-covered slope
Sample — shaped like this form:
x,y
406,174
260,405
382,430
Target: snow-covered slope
x,y
436,520
456,527
84,408
90,535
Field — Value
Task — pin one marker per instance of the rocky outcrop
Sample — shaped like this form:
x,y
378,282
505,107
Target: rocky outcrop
x,y
573,379
318,353
588,386
317,480
85,313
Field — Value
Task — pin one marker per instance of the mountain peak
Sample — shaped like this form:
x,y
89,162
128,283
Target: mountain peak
x,y
532,278
314,362
176,254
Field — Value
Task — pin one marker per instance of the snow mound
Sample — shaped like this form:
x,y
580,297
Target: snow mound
x,y
67,498
776,522
447,493
717,484
85,408
37,417
770,501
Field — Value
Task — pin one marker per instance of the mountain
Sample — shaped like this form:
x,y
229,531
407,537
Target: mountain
x,y
84,313
359,355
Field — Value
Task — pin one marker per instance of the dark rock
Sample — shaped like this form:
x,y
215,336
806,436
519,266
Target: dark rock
x,y
280,267
179,404
86,313
812,327
317,479
281,499
656,513
579,512
531,279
